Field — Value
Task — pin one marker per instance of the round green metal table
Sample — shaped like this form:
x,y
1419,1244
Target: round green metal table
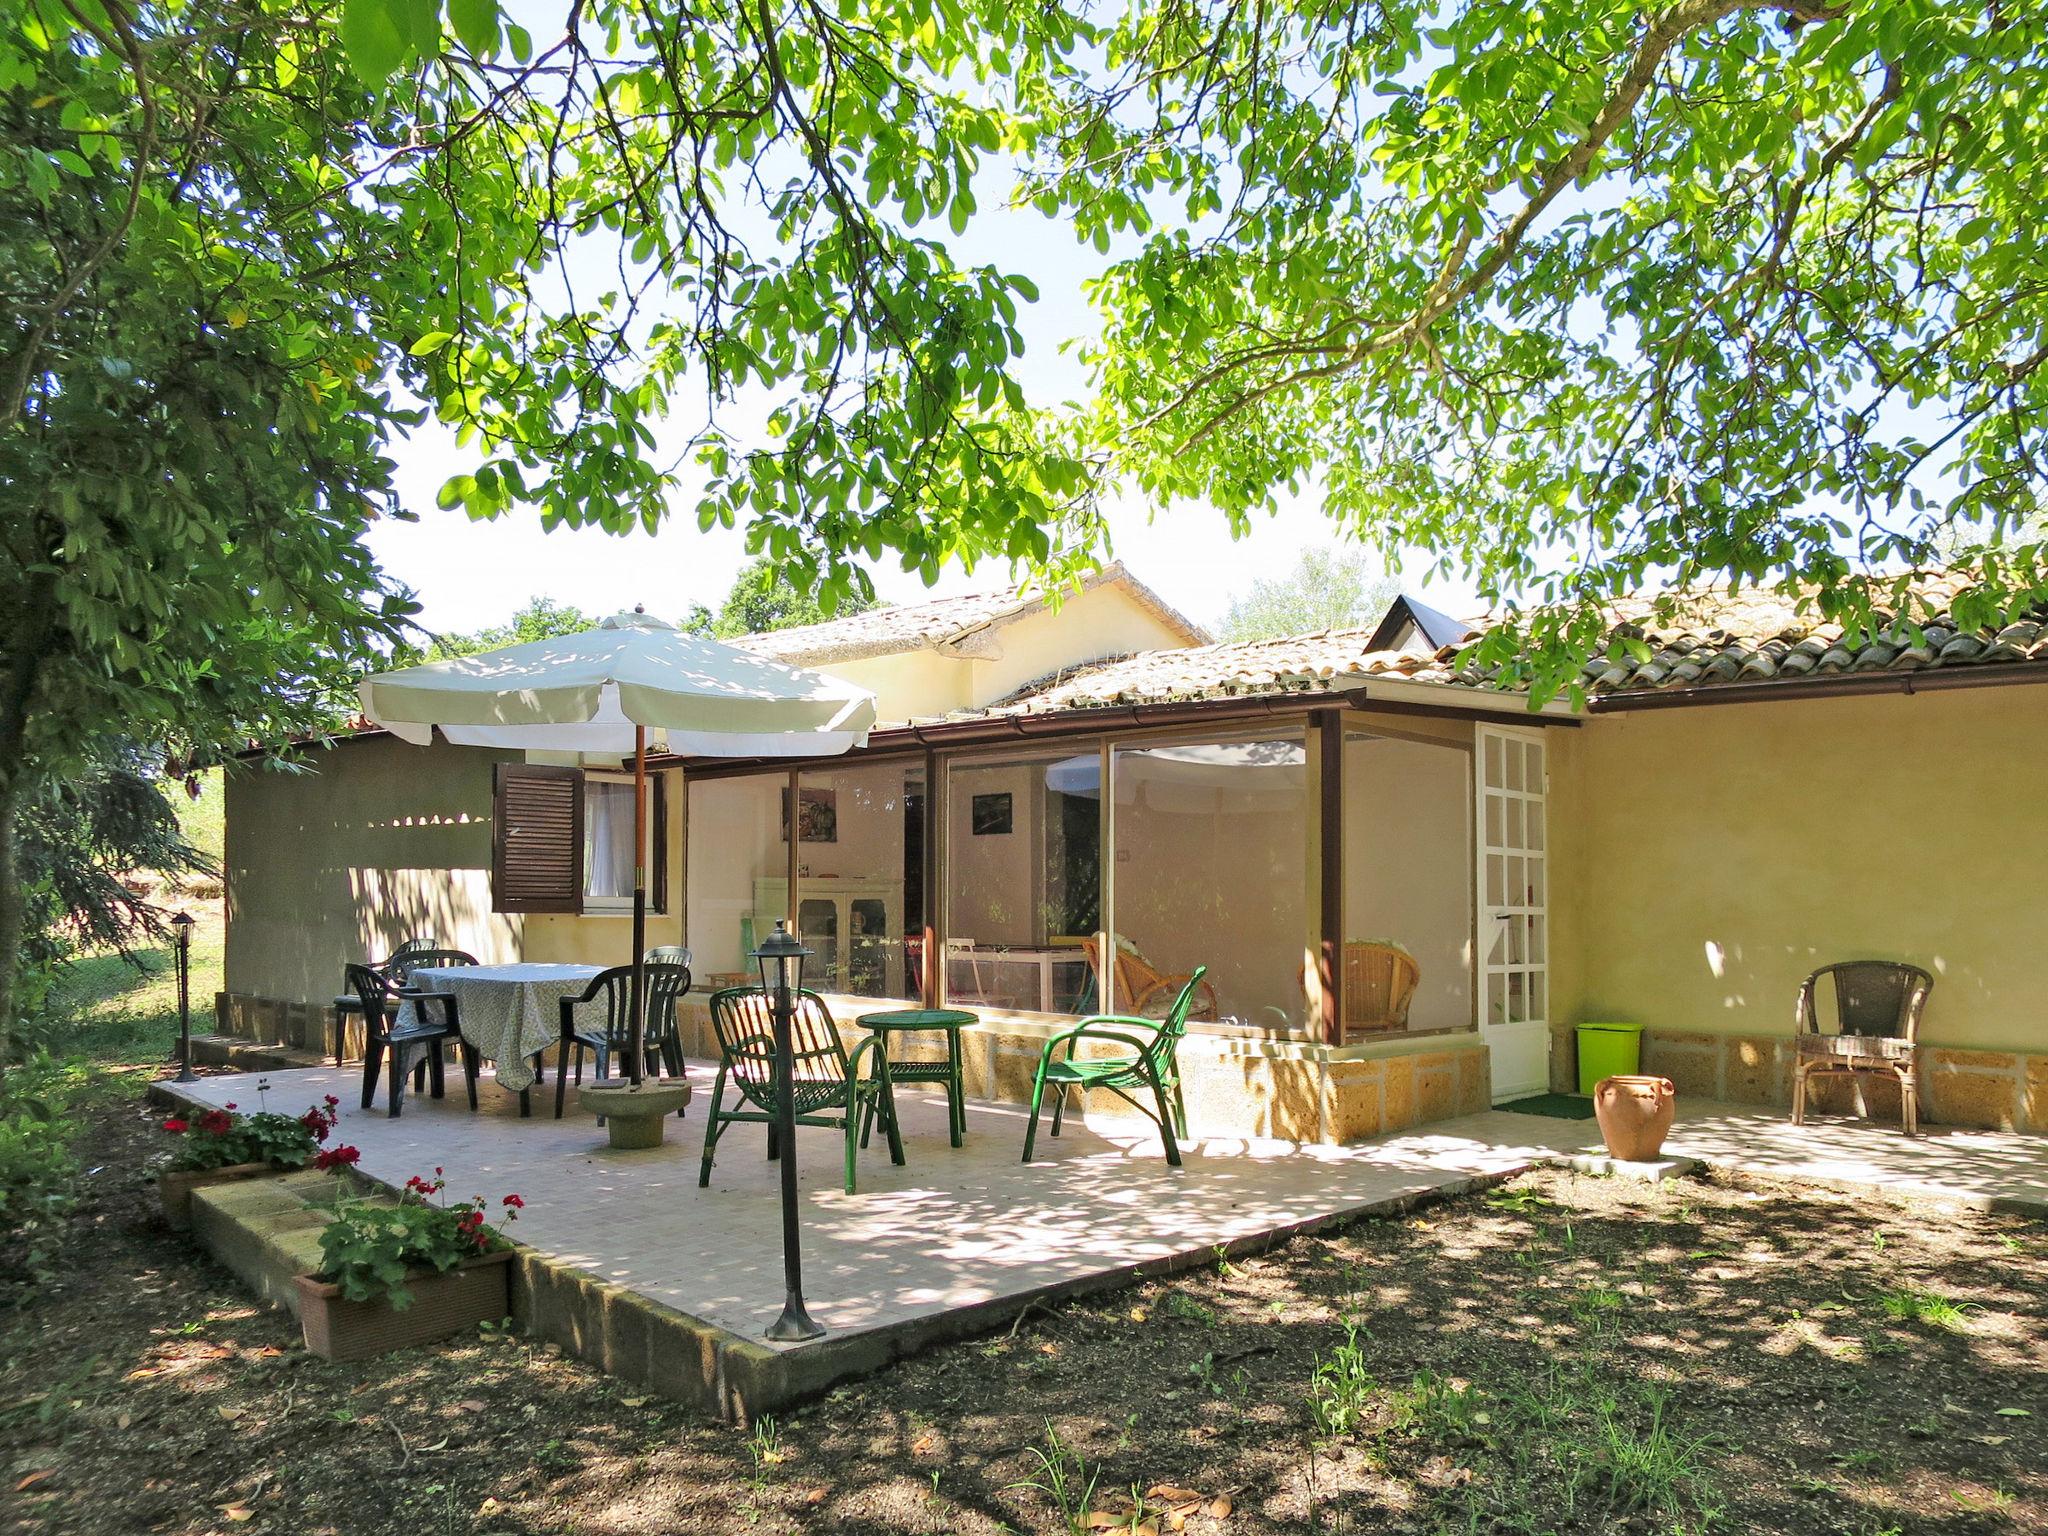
x,y
905,1021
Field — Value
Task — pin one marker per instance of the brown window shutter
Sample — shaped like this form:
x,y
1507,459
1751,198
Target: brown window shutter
x,y
537,838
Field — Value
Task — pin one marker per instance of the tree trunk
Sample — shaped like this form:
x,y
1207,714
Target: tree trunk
x,y
26,651
11,908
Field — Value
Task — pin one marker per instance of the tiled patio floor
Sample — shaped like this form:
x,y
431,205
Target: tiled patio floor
x,y
976,1228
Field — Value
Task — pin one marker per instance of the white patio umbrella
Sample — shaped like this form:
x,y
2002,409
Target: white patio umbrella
x,y
612,692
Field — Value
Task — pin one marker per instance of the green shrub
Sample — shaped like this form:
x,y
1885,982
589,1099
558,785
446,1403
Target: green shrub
x,y
369,1247
36,1170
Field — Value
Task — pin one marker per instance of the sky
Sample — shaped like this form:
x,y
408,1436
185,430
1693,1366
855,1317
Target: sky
x,y
468,575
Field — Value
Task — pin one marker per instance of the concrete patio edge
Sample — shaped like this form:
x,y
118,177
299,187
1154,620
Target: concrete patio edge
x,y
724,1372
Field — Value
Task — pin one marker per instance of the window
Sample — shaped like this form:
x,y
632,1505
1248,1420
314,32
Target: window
x,y
1023,881
562,840
607,843
1407,882
1211,840
738,876
859,891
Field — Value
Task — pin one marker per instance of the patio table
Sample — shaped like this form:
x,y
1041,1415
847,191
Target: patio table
x,y
949,1021
509,1013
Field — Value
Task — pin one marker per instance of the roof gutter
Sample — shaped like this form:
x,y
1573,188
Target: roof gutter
x,y
998,730
1459,699
1841,686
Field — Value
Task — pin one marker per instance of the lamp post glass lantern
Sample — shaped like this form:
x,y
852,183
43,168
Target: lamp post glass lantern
x,y
181,927
781,958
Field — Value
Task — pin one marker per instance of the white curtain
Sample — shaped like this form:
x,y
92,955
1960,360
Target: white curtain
x,y
607,838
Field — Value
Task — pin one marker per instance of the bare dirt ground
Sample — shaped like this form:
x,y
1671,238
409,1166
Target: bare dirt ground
x,y
1564,1354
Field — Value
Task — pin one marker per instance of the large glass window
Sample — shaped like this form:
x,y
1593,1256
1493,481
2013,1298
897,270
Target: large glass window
x,y
738,876
860,878
1023,881
1408,876
607,841
1211,842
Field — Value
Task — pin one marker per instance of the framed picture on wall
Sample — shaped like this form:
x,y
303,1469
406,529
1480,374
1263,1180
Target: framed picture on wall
x,y
817,816
990,814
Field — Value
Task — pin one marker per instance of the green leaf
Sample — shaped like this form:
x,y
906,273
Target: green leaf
x,y
420,20
430,343
370,32
476,24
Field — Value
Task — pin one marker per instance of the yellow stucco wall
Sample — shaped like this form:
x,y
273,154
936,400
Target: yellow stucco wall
x,y
607,938
1708,859
921,684
375,842
1103,621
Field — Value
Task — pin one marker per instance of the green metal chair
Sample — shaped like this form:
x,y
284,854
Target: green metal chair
x,y
1152,1063
827,1084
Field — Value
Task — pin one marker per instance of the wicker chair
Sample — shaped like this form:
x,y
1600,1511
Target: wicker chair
x,y
1145,990
1379,984
1878,1004
825,1083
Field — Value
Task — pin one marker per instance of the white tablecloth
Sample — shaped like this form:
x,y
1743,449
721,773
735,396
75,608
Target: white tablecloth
x,y
509,1012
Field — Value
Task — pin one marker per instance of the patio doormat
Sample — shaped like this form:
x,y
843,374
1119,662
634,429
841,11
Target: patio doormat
x,y
1556,1106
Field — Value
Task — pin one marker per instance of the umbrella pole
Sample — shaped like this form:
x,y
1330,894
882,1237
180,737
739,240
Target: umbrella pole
x,y
638,1052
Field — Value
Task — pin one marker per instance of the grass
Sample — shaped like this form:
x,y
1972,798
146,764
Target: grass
x,y
1064,1479
110,1012
1926,1309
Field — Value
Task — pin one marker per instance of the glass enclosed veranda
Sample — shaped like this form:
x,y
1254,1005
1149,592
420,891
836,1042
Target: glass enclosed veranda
x,y
1344,875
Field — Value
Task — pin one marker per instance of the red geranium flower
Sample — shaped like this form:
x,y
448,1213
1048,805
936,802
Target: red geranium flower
x,y
231,1103
515,1202
332,1101
215,1122
175,1126
336,1157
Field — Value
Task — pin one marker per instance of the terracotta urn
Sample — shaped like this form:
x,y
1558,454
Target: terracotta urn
x,y
1634,1115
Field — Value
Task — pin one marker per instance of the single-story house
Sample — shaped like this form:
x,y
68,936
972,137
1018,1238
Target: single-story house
x,y
1407,885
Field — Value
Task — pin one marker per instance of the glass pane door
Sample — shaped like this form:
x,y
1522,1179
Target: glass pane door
x,y
1514,905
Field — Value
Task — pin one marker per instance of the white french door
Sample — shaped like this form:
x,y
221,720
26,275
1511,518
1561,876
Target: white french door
x,y
1514,913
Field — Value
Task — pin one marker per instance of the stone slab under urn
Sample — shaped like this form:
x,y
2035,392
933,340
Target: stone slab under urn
x,y
1601,1166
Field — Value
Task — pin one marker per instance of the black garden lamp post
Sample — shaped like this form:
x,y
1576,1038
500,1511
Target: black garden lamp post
x,y
181,943
781,959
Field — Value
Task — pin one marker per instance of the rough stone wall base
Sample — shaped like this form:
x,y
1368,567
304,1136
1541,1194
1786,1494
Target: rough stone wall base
x,y
1304,1093
273,1021
1984,1090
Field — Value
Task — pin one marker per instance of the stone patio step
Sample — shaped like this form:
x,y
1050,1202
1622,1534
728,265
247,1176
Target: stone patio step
x,y
266,1230
250,1055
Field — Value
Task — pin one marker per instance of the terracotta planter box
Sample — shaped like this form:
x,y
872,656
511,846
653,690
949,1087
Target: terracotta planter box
x,y
174,1187
475,1291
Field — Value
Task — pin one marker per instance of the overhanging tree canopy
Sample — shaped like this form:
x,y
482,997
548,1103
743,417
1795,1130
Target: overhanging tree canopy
x,y
1572,293
1581,293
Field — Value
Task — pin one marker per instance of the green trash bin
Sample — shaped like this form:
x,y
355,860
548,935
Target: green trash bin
x,y
1608,1050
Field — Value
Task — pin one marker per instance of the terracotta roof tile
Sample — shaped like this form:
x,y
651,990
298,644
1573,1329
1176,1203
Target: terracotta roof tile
x,y
1702,640
943,622
1714,637
1317,663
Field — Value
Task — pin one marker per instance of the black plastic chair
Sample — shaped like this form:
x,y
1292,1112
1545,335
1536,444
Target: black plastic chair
x,y
347,1004
612,1036
381,991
